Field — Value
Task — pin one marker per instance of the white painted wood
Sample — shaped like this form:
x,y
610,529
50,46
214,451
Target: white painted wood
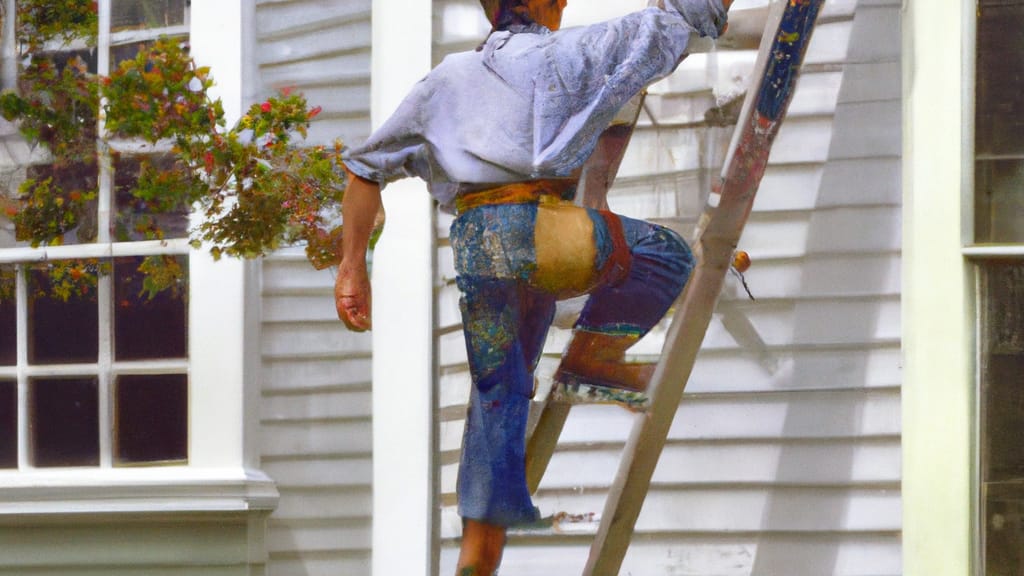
x,y
939,348
403,365
223,415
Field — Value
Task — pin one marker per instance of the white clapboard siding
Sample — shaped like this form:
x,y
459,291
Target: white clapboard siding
x,y
784,457
317,438
317,441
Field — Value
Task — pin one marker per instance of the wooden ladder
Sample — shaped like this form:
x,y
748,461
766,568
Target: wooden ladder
x,y
786,35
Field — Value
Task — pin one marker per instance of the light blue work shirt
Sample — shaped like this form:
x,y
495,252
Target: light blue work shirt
x,y
530,103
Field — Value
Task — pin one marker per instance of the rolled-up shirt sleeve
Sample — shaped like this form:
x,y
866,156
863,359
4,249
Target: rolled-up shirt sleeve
x,y
397,149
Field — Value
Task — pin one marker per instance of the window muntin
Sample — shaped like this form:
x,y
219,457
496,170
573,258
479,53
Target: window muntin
x,y
79,370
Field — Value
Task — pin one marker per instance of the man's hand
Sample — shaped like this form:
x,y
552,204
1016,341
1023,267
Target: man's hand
x,y
359,211
352,297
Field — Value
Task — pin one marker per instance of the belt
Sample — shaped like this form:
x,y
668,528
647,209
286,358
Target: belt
x,y
540,191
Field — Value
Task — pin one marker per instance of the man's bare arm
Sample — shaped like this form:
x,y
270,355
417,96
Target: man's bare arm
x,y
359,210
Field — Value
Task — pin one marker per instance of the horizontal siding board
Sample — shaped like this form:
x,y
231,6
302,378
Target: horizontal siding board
x,y
321,472
872,81
745,509
312,338
315,307
851,181
744,370
274,19
859,229
877,125
315,43
322,503
333,563
876,34
826,276
719,555
294,376
340,535
318,438
344,404
732,509
789,415
824,462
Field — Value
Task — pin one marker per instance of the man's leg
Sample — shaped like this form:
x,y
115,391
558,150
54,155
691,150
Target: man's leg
x,y
621,311
505,325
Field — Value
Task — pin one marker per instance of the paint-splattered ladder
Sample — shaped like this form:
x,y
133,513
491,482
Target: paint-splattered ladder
x,y
787,34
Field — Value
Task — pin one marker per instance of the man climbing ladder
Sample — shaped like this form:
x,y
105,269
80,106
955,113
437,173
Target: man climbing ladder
x,y
501,134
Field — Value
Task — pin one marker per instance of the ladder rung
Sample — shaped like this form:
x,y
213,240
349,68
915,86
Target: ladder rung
x,y
582,393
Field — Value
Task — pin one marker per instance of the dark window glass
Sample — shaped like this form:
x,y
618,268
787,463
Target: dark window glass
x,y
1002,416
134,14
999,122
8,317
999,200
136,219
148,327
152,419
62,331
8,424
64,422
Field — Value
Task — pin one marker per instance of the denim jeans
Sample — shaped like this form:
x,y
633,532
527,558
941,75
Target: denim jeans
x,y
506,319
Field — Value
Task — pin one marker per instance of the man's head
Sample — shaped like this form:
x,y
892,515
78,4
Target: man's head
x,y
504,13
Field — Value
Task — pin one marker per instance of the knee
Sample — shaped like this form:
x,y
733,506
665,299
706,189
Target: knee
x,y
673,254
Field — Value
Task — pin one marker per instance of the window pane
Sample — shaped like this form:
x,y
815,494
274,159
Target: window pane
x,y
152,419
1002,416
1000,107
62,332
133,14
999,200
144,327
64,422
8,424
8,318
135,219
999,122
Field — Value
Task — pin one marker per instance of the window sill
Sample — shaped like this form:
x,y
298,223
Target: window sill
x,y
167,490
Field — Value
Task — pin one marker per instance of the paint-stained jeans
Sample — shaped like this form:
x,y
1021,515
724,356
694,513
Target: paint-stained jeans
x,y
506,319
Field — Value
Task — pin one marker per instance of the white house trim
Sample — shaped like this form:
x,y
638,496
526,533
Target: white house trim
x,y
403,364
937,319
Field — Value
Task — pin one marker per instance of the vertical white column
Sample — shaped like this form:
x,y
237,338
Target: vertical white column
x,y
937,319
402,315
224,392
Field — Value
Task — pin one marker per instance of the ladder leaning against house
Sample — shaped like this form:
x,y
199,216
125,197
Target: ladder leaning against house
x,y
787,33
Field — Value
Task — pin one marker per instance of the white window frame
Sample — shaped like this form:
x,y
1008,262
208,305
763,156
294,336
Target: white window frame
x,y
222,473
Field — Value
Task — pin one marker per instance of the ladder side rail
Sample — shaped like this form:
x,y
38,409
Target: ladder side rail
x,y
778,63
